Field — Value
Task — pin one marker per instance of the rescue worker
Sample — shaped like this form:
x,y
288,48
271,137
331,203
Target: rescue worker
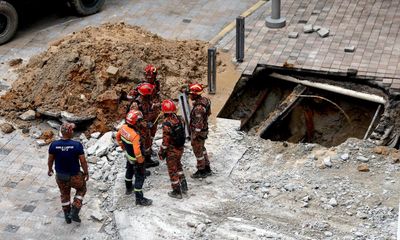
x,y
69,157
150,76
172,147
201,110
129,140
151,112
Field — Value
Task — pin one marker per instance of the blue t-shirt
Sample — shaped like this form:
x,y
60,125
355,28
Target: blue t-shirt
x,y
66,153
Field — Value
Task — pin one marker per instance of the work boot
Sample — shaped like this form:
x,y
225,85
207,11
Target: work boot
x,y
184,186
200,174
128,191
208,171
143,201
67,217
175,194
75,214
149,163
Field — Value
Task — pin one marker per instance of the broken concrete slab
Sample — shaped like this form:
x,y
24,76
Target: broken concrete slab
x,y
70,117
323,32
28,115
293,35
103,145
97,215
112,70
308,28
54,124
49,113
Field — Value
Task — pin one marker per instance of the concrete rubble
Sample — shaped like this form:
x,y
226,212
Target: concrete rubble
x,y
229,202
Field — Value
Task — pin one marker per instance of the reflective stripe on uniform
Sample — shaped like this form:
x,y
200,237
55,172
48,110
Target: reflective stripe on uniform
x,y
66,203
200,158
164,147
79,197
175,182
126,140
197,130
129,157
128,180
137,190
180,173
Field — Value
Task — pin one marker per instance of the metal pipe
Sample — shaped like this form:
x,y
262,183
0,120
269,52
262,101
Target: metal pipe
x,y
373,121
331,88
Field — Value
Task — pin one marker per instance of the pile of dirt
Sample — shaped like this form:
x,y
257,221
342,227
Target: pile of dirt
x,y
72,74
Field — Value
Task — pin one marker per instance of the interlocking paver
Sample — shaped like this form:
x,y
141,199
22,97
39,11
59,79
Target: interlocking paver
x,y
371,27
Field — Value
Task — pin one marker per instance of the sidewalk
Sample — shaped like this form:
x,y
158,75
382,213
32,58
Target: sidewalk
x,y
370,26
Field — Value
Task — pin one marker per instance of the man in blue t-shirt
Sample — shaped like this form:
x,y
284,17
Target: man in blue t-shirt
x,y
68,156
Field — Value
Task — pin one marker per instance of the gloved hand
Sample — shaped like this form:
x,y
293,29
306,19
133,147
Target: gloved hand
x,y
162,154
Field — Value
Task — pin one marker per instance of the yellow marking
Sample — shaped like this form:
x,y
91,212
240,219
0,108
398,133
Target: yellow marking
x,y
232,25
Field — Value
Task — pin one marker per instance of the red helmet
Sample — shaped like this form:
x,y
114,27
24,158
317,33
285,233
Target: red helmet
x,y
146,89
196,88
168,106
133,116
150,72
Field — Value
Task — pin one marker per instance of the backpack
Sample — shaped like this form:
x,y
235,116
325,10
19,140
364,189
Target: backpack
x,y
178,135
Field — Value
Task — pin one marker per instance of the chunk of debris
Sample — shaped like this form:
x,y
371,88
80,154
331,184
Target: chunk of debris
x,y
112,70
349,49
70,117
328,162
97,215
95,135
15,62
49,113
316,28
54,124
191,224
28,115
41,142
102,146
362,159
308,28
344,156
363,167
381,150
92,159
333,202
6,128
293,35
323,32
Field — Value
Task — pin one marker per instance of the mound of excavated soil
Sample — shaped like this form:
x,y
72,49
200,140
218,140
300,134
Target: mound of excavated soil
x,y
72,74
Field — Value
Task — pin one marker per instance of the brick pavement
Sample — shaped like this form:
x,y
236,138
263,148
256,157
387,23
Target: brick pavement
x,y
371,26
29,199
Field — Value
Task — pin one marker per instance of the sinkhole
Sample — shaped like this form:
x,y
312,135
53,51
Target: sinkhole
x,y
307,109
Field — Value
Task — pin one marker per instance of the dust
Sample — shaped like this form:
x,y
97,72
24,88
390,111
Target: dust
x,y
72,74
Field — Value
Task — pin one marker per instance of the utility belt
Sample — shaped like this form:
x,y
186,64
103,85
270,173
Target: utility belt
x,y
66,176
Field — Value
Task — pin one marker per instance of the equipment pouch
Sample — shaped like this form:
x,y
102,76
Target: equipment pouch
x,y
63,177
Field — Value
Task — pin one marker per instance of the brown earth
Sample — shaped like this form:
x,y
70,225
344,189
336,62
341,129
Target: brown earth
x,y
72,74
